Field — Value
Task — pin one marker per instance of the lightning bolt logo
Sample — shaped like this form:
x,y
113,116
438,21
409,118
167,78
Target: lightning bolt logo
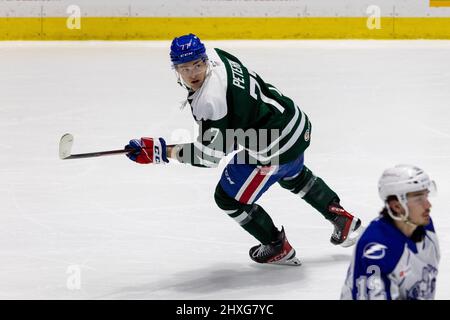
x,y
374,250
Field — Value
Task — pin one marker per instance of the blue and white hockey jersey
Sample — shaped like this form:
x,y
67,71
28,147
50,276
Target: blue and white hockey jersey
x,y
386,264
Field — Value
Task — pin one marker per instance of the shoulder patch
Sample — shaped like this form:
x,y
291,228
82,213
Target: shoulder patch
x,y
306,136
374,250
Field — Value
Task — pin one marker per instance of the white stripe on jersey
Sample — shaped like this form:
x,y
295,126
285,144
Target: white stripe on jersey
x,y
284,132
208,151
286,147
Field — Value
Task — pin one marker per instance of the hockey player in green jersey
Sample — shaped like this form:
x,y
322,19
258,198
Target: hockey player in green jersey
x,y
236,110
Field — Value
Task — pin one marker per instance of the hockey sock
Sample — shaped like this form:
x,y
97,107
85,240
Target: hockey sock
x,y
252,217
313,190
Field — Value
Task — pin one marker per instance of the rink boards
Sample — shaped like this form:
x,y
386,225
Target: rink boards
x,y
224,19
162,28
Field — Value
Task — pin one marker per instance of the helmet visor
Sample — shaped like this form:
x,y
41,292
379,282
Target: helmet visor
x,y
191,69
422,196
432,188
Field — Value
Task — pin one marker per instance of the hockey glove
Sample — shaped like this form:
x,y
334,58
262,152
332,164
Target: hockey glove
x,y
147,150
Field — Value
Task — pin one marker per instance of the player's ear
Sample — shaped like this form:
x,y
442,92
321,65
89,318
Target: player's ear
x,y
395,206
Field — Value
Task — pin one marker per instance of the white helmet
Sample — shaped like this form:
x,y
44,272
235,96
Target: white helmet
x,y
401,180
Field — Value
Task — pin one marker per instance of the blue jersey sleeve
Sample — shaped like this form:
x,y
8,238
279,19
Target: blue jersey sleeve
x,y
376,256
371,281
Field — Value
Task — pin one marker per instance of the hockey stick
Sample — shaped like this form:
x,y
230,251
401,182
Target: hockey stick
x,y
65,147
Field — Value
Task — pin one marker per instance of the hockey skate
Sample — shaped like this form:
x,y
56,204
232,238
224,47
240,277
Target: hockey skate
x,y
347,228
276,252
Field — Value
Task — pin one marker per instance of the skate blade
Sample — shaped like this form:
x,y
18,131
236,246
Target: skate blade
x,y
353,236
289,260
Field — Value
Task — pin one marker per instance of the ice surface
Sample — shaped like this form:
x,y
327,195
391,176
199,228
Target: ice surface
x,y
154,232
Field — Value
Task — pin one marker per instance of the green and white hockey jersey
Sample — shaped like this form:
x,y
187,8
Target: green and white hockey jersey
x,y
235,108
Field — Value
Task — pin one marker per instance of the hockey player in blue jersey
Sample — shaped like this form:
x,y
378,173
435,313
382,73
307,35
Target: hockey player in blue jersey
x,y
397,256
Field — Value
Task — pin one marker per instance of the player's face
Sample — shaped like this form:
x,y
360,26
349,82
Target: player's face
x,y
419,207
193,73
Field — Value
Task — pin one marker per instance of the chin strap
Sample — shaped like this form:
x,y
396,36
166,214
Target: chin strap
x,y
183,85
403,218
181,82
408,222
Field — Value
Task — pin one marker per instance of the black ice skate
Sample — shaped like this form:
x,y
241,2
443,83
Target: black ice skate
x,y
347,228
276,252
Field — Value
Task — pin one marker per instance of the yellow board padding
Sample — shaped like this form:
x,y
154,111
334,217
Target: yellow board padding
x,y
150,28
439,3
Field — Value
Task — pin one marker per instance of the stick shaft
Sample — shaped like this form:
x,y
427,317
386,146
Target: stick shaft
x,y
96,154
100,153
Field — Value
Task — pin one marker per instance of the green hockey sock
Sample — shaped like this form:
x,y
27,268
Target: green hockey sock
x,y
313,190
252,217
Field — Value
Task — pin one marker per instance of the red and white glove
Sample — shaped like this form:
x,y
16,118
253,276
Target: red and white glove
x,y
147,150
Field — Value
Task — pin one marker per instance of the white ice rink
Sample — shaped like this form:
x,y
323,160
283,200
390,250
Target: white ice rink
x,y
107,228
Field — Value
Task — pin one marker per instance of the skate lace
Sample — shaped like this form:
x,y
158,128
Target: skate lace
x,y
263,251
339,225
336,233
